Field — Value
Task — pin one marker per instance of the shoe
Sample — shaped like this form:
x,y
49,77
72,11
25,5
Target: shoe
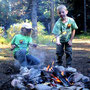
x,y
58,63
68,66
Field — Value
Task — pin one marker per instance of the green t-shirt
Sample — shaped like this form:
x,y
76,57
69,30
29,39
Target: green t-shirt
x,y
21,42
64,30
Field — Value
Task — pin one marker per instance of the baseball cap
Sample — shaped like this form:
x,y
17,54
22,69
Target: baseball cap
x,y
27,26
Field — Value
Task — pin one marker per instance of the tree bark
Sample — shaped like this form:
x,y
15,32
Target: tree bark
x,y
52,15
85,16
34,16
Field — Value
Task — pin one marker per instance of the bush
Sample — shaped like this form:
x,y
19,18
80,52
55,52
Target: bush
x,y
3,40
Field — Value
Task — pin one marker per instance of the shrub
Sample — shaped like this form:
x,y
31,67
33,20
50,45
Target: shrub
x,y
42,36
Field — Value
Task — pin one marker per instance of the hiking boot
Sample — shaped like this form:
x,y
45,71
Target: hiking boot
x,y
58,63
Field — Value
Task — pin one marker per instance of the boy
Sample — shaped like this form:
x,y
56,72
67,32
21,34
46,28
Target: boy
x,y
64,31
20,44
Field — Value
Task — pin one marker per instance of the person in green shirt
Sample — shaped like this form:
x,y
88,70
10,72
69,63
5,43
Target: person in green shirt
x,y
20,46
64,31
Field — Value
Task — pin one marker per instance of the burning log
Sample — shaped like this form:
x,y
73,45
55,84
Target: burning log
x,y
50,77
64,80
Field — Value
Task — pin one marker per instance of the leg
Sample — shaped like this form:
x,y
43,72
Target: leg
x,y
21,57
32,60
68,51
59,53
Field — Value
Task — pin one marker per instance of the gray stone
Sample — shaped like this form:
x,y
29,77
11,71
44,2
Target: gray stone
x,y
77,77
60,68
42,87
71,69
85,79
79,88
79,84
68,88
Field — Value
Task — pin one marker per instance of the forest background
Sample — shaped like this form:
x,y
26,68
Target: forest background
x,y
42,14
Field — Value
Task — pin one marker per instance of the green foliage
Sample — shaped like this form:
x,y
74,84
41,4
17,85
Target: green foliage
x,y
1,32
3,40
14,29
42,36
83,36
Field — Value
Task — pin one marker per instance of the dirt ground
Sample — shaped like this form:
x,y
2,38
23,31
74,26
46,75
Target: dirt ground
x,y
81,59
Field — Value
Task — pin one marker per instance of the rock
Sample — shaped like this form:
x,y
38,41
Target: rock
x,y
42,87
71,69
18,84
24,70
79,84
15,82
77,77
34,73
30,86
60,68
68,88
79,88
85,79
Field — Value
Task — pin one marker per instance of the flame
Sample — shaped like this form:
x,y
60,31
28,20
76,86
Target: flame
x,y
66,79
56,78
47,67
62,73
52,63
50,68
72,83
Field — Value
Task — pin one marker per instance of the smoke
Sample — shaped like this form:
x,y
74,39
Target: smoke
x,y
38,53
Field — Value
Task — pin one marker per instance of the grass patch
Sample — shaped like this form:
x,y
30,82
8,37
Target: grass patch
x,y
83,36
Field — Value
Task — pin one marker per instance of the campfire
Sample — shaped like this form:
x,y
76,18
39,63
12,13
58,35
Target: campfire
x,y
48,78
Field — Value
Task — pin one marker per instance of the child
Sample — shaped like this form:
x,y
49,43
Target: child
x,y
20,44
64,31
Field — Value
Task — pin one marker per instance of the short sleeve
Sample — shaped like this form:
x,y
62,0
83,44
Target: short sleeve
x,y
13,40
56,29
74,25
30,41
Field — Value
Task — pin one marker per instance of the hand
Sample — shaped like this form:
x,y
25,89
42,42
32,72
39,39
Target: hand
x,y
70,42
12,47
35,45
58,43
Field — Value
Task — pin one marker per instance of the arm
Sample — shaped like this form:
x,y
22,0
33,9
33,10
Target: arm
x,y
72,36
33,45
58,40
13,46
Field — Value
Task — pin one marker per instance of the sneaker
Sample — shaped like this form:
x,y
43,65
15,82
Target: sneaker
x,y
68,66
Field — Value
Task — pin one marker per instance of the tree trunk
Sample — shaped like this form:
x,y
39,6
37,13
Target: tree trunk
x,y
52,15
34,16
85,16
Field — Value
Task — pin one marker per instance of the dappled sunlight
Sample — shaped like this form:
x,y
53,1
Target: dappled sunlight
x,y
3,46
5,53
6,58
85,49
81,40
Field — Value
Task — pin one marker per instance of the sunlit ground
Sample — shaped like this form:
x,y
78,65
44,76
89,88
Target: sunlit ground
x,y
6,53
81,41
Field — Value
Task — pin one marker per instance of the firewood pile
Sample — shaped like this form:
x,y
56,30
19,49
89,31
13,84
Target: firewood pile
x,y
52,77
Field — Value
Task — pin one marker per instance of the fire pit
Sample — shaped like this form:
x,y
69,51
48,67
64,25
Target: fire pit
x,y
50,78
